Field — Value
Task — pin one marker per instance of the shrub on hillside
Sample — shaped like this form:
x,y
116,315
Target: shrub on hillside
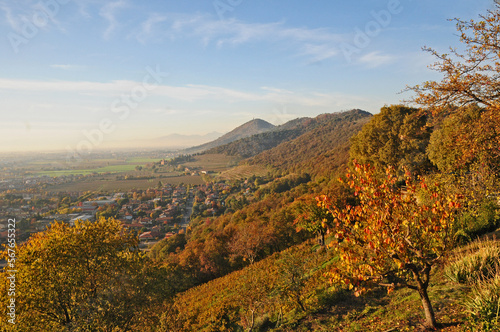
x,y
480,262
484,305
473,223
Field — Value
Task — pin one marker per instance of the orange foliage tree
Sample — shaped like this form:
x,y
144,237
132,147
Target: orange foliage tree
x,y
392,237
471,77
251,240
314,219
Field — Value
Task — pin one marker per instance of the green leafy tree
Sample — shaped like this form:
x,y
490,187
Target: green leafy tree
x,y
397,136
467,141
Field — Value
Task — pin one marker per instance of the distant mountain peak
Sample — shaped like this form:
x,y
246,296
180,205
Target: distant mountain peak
x,y
250,128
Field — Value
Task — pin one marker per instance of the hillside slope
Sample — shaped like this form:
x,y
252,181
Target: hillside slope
x,y
320,149
253,145
288,291
263,208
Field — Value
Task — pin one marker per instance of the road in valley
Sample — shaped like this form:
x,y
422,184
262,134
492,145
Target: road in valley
x,y
186,218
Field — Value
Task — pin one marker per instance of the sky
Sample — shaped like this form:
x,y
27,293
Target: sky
x,y
84,75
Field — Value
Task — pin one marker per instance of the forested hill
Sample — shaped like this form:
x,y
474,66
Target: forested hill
x,y
322,148
256,144
253,127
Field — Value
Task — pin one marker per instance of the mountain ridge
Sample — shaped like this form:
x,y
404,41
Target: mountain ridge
x,y
322,147
254,145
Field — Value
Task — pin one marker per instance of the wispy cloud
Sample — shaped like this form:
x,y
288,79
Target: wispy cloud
x,y
190,93
276,90
153,20
320,52
17,13
67,67
62,86
376,59
30,14
108,12
318,44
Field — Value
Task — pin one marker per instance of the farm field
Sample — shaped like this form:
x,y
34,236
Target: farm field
x,y
112,178
99,170
58,164
243,171
89,166
210,162
213,162
110,185
141,160
123,172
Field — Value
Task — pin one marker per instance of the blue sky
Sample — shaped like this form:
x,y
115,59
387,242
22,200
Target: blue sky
x,y
88,74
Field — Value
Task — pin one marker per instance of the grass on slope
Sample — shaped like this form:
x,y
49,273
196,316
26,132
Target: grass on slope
x,y
265,296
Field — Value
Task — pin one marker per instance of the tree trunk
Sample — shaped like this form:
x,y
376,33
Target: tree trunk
x,y
66,315
280,315
321,239
299,302
252,322
430,319
422,285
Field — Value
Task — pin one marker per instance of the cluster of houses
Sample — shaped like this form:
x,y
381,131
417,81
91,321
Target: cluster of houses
x,y
161,210
152,214
210,198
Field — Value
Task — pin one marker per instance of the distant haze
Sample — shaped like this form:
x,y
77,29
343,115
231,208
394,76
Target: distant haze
x,y
124,73
173,141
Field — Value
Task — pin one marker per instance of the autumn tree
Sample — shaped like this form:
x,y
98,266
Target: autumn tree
x,y
314,219
471,77
90,277
253,297
466,141
392,237
292,279
251,240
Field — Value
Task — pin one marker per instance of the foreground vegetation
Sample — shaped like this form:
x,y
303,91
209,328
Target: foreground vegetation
x,y
289,292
